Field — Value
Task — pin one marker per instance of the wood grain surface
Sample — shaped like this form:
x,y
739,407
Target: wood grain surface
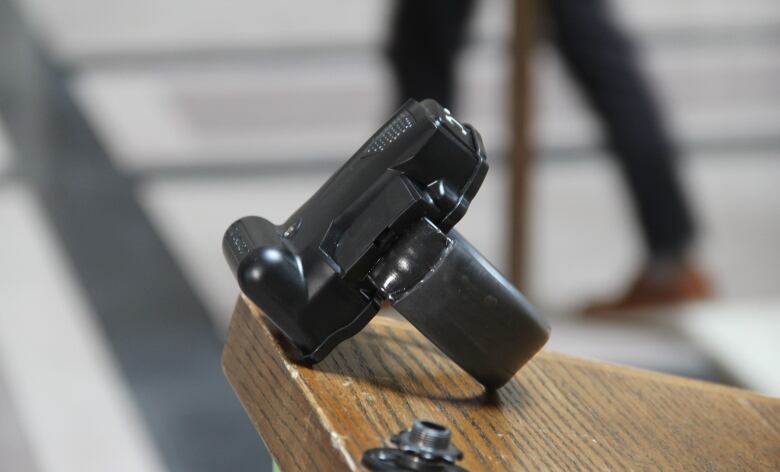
x,y
558,413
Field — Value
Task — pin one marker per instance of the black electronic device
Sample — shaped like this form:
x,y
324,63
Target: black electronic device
x,y
380,228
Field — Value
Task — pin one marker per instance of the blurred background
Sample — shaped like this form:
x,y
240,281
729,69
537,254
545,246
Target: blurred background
x,y
133,133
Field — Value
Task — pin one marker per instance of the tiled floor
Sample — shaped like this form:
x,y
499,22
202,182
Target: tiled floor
x,y
58,374
149,28
150,333
741,337
14,444
223,112
14,448
215,114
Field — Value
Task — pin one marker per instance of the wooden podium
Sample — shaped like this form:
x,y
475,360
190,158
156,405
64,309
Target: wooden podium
x,y
558,413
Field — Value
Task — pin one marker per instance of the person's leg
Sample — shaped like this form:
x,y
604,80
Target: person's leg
x,y
426,38
601,58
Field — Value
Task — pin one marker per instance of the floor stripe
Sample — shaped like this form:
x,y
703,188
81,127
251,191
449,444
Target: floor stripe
x,y
161,336
5,151
230,116
15,453
151,33
60,377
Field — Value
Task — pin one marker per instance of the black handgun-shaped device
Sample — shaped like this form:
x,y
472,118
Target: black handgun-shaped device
x,y
381,229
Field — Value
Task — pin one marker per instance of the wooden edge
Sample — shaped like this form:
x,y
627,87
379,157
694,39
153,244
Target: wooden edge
x,y
629,371
301,436
251,355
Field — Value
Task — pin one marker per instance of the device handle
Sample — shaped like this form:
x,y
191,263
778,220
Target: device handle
x,y
463,304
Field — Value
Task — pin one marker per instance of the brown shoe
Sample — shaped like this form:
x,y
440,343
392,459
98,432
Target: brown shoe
x,y
654,288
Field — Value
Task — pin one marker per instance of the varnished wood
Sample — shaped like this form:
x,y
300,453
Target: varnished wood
x,y
558,413
526,19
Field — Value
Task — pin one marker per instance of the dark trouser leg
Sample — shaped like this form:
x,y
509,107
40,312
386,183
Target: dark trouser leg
x,y
602,59
426,37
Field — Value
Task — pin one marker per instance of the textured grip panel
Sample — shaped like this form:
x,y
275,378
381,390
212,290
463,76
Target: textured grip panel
x,y
389,134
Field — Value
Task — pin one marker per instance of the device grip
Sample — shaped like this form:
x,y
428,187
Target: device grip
x,y
470,311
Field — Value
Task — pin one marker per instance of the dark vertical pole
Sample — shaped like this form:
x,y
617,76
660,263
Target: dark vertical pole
x,y
526,14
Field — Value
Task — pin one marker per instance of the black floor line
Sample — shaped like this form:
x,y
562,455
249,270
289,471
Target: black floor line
x,y
161,336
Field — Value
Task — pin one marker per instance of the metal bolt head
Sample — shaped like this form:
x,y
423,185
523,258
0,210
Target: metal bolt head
x,y
429,435
428,440
425,447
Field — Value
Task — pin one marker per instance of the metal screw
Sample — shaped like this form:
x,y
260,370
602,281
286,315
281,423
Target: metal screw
x,y
291,229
